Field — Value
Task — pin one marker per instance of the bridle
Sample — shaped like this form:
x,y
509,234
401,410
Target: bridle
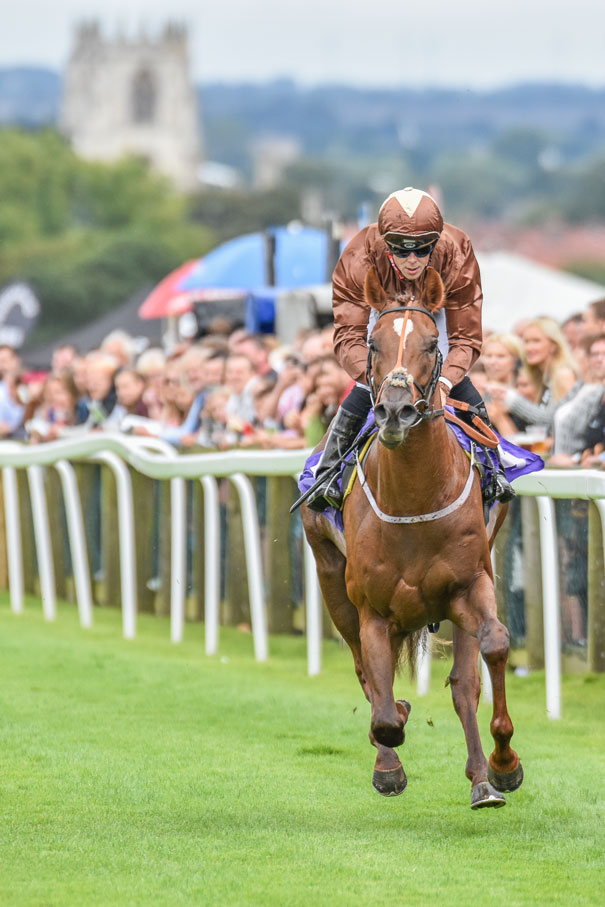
x,y
400,377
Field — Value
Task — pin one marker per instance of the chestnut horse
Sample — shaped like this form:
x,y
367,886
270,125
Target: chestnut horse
x,y
415,550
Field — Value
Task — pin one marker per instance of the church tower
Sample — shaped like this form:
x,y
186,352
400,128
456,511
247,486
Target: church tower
x,y
126,96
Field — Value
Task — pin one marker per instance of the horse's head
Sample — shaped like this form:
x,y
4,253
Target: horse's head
x,y
404,360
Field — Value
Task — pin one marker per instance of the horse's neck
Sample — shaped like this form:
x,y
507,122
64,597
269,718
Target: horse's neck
x,y
420,472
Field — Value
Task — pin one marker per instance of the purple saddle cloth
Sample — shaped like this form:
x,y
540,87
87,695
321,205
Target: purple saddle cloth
x,y
516,461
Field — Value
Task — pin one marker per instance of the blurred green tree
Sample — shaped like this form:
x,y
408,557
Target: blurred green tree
x,y
86,235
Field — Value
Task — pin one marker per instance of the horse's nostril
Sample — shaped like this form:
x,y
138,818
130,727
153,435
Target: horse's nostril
x,y
380,413
408,414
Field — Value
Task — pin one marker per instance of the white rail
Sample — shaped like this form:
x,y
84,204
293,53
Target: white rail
x,y
158,460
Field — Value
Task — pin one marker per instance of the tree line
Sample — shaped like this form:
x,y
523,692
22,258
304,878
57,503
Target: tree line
x,y
88,235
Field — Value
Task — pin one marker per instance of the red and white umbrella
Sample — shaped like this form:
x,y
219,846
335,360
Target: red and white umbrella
x,y
165,300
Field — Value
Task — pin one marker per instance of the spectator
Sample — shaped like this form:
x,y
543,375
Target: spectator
x,y
331,386
255,348
573,331
171,415
579,423
501,357
552,370
78,373
312,346
130,389
240,378
214,431
57,409
63,358
524,385
12,411
120,345
101,396
150,365
593,455
594,318
194,364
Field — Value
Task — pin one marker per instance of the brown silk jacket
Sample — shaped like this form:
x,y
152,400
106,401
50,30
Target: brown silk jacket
x,y
455,261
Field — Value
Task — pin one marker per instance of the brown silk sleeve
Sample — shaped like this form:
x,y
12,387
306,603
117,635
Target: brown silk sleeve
x,y
351,312
464,299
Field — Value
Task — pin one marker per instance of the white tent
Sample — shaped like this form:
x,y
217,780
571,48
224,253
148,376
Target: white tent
x,y
515,287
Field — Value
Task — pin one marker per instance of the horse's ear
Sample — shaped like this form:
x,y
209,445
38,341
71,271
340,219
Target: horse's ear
x,y
374,294
434,293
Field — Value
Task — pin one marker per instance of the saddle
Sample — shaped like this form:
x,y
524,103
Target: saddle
x,y
516,462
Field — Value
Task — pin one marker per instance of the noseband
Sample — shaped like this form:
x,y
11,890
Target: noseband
x,y
398,376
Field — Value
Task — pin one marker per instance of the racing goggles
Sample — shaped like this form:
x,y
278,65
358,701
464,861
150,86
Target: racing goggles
x,y
401,246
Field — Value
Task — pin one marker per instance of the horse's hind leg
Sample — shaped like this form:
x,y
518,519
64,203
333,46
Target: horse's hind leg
x,y
465,685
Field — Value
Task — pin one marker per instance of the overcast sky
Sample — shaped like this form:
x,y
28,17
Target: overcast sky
x,y
469,43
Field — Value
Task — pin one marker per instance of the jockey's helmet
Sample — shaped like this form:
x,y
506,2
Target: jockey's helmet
x,y
410,219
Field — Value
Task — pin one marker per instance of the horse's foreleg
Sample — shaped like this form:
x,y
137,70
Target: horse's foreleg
x,y
504,771
379,657
465,686
389,777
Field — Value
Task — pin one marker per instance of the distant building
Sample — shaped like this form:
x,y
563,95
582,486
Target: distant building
x,y
134,96
272,155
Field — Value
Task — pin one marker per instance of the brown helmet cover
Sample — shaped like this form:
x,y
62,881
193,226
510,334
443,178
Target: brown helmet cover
x,y
411,212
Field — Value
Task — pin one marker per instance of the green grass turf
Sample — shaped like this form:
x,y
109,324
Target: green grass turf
x,y
143,772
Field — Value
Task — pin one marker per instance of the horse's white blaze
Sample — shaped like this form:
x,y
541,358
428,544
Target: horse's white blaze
x,y
398,327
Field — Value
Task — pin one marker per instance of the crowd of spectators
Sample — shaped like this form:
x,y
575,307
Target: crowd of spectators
x,y
227,388
543,384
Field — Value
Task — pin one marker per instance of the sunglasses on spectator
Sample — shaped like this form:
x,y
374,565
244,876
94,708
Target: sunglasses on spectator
x,y
420,251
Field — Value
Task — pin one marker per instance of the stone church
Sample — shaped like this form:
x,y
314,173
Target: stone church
x,y
134,96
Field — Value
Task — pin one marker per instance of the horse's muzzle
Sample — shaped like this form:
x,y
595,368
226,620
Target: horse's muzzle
x,y
394,422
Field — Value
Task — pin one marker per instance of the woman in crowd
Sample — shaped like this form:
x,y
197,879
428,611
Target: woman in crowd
x,y
501,357
552,371
150,365
130,388
176,397
213,429
57,409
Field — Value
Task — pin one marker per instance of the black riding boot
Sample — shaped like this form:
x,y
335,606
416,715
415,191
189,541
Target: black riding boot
x,y
344,429
504,491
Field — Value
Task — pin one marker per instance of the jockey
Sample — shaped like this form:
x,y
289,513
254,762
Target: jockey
x,y
409,235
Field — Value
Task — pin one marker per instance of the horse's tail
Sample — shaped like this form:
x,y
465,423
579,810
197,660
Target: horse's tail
x,y
408,653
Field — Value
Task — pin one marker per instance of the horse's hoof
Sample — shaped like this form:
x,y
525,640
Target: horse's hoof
x,y
390,783
483,794
508,782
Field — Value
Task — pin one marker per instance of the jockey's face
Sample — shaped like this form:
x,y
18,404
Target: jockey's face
x,y
412,265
